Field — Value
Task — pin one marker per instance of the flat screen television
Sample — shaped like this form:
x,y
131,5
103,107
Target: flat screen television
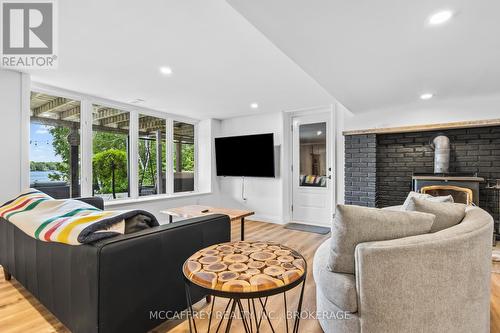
x,y
245,156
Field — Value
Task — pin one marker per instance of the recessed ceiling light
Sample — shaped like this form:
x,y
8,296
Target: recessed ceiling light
x,y
137,101
318,133
426,96
440,17
165,70
254,105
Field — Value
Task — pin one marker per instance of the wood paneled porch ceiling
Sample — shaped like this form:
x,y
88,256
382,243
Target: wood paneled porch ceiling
x,y
58,111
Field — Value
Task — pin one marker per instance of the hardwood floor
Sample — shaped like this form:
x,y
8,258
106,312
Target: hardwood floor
x,y
495,297
20,312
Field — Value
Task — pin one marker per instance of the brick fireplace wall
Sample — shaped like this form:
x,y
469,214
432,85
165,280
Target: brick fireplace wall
x,y
379,167
360,170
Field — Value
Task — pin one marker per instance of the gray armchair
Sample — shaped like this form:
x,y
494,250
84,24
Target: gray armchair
x,y
437,282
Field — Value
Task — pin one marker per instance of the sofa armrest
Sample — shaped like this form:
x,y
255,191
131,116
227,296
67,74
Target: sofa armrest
x,y
64,278
427,283
142,272
97,202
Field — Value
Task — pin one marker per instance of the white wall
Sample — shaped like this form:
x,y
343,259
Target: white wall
x,y
205,152
428,112
10,133
264,195
341,113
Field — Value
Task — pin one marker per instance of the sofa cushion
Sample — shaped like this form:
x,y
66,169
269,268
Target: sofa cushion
x,y
338,288
354,225
445,198
447,214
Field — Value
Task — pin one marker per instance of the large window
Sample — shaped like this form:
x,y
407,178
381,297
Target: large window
x,y
55,145
82,146
110,146
151,155
184,157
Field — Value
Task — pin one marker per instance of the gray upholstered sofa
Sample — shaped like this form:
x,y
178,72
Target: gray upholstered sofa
x,y
437,282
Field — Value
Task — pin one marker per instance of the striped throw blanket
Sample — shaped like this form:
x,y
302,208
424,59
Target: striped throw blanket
x,y
65,221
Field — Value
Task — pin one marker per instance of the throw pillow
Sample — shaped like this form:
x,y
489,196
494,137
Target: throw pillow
x,y
447,214
445,198
354,225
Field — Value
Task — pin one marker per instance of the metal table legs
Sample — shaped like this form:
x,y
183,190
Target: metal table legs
x,y
252,312
242,228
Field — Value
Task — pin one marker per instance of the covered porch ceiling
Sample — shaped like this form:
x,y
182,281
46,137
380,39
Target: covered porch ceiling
x,y
58,111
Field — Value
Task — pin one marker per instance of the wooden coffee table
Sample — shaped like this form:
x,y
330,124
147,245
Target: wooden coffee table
x,y
197,210
245,271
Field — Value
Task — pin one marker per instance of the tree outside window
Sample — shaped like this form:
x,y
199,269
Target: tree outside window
x,y
184,157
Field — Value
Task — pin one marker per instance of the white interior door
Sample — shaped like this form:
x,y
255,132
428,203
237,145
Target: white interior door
x,y
312,184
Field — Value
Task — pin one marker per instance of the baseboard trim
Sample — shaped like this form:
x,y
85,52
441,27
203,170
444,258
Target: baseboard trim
x,y
267,219
327,225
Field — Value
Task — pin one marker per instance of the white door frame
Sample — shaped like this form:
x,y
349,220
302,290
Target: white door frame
x,y
288,155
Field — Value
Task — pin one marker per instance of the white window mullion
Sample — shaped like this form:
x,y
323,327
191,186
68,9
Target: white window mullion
x,y
134,153
25,131
195,171
86,147
169,156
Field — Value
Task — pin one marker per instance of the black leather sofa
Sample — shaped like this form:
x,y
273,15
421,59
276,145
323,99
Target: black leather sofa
x,y
114,284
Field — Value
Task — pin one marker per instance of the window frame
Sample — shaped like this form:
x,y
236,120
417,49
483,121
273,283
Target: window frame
x,y
132,149
195,166
166,156
86,105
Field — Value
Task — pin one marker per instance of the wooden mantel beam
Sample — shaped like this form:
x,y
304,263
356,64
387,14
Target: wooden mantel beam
x,y
426,128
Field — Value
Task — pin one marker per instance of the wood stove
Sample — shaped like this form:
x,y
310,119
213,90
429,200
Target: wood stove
x,y
462,180
459,194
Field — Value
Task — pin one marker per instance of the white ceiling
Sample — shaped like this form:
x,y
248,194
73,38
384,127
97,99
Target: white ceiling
x,y
380,54
220,62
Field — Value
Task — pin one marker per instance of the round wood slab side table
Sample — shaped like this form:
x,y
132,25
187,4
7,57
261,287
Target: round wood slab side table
x,y
245,271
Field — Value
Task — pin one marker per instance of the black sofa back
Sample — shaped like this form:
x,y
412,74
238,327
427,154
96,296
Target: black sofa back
x,y
111,285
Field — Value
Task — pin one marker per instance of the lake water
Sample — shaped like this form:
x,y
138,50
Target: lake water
x,y
40,176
